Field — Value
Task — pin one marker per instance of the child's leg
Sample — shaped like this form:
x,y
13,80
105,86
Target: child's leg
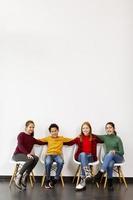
x,y
109,174
33,164
107,159
83,159
110,169
60,162
28,162
116,159
27,166
48,165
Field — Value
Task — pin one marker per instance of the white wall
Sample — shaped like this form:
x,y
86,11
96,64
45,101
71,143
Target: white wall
x,y
65,62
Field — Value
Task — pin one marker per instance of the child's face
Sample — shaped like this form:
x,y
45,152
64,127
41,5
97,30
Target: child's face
x,y
109,129
54,132
86,130
30,129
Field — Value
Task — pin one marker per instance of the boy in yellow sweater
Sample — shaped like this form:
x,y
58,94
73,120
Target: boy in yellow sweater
x,y
54,154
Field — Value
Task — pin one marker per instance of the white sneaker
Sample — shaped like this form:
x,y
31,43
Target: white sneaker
x,y
81,185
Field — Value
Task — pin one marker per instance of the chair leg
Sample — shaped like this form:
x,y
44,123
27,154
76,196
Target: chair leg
x,y
31,181
92,171
92,174
62,181
105,182
76,174
43,179
124,180
119,174
14,174
33,177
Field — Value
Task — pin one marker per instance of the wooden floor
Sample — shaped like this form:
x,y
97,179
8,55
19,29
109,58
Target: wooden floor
x,y
66,193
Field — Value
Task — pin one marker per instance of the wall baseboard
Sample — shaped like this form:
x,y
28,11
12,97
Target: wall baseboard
x,y
66,178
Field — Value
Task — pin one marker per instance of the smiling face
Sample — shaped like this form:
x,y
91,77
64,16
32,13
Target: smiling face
x,y
86,129
30,128
109,129
54,132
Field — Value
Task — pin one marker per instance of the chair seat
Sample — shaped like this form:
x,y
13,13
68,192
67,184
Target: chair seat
x,y
119,164
91,163
17,162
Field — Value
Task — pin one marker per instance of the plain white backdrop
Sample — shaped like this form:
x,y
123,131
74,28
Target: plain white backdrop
x,y
65,62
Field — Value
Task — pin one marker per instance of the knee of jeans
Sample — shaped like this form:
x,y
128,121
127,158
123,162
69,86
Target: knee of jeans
x,y
82,154
60,162
111,153
111,164
48,162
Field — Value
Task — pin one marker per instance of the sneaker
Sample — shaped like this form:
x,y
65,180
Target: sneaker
x,y
87,172
81,185
47,184
52,183
98,176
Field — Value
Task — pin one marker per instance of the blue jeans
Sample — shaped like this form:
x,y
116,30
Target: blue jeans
x,y
84,159
49,159
108,162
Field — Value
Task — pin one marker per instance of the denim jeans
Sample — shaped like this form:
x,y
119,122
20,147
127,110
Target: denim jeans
x,y
49,159
108,162
84,159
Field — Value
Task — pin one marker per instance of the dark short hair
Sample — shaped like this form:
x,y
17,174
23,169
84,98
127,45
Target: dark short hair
x,y
53,126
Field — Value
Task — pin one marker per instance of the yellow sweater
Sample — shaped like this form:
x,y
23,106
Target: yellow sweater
x,y
55,144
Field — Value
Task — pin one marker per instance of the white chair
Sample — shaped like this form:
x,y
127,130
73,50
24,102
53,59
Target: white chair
x,y
92,165
37,149
53,169
18,165
117,170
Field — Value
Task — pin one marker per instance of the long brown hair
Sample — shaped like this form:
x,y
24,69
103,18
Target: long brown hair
x,y
81,134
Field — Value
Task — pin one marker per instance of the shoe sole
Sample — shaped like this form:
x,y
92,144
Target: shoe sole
x,y
78,190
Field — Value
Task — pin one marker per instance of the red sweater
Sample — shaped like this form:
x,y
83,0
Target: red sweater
x,y
25,143
87,145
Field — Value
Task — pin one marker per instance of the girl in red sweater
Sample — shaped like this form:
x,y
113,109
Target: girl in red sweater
x,y
86,152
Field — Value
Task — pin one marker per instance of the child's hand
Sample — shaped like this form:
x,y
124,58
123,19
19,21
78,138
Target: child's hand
x,y
29,156
113,152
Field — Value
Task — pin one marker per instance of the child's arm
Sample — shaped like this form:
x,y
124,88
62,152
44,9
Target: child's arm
x,y
98,139
39,142
101,137
45,139
72,141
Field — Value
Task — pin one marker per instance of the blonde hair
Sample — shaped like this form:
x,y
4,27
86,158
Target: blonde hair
x,y
81,134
